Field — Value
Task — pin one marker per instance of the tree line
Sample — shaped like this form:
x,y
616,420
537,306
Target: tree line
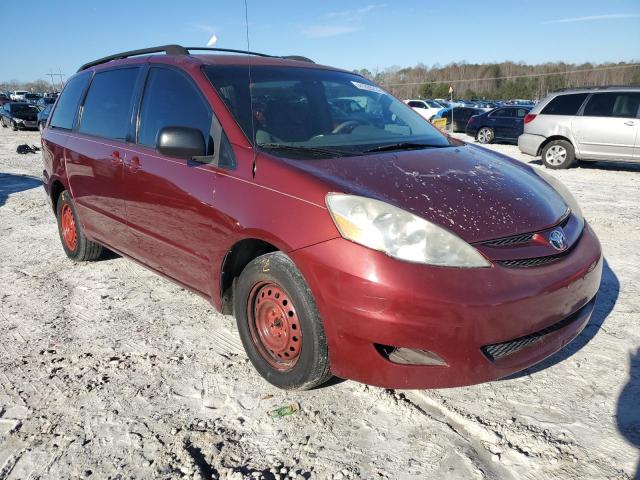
x,y
469,80
37,86
501,81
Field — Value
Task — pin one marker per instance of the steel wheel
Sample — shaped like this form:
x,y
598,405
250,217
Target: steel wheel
x,y
69,232
485,135
274,326
556,155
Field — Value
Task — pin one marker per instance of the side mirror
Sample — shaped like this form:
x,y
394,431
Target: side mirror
x,y
181,142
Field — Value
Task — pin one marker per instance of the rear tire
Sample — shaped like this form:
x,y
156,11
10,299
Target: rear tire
x,y
75,243
558,154
485,135
279,324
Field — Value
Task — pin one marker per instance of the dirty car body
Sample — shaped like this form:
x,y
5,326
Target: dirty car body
x,y
432,263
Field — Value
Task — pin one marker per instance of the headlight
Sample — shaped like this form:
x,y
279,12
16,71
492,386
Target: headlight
x,y
562,190
400,234
18,120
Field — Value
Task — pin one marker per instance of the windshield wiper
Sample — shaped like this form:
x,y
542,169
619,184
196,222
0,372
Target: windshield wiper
x,y
299,148
403,146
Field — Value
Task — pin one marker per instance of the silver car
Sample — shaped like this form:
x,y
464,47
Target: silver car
x,y
584,124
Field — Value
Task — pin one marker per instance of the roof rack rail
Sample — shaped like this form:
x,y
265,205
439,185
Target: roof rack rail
x,y
168,49
596,87
180,50
229,50
299,58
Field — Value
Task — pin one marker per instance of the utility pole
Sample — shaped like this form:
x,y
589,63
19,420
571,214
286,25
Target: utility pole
x,y
60,77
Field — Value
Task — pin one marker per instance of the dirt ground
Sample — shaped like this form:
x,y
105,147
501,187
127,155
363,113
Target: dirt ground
x,y
108,371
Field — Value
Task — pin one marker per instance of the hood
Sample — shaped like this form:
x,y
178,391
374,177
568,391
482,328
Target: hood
x,y
477,194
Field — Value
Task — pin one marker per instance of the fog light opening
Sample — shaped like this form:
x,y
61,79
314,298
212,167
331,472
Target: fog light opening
x,y
409,356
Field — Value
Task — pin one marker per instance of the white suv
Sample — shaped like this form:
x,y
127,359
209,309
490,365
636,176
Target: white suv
x,y
584,124
426,108
18,95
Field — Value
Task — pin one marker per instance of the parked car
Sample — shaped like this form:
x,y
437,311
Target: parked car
x,y
32,97
4,99
359,250
426,108
501,124
461,116
18,95
43,115
44,101
584,124
21,116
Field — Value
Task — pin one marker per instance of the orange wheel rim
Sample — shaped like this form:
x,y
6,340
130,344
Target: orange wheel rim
x,y
274,326
68,223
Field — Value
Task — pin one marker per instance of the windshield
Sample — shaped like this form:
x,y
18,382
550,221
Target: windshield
x,y
32,95
19,108
310,108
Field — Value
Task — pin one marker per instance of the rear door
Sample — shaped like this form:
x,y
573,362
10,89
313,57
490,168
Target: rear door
x,y
608,126
95,154
169,201
501,121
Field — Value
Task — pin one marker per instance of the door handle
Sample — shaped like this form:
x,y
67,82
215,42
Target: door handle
x,y
630,122
115,158
134,166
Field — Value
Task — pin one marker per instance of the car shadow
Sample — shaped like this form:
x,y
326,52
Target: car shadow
x,y
628,408
10,184
611,166
607,297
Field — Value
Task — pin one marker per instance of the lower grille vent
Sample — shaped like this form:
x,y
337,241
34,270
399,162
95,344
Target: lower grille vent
x,y
500,350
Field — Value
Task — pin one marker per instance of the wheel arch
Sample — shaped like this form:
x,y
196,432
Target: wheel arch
x,y
57,187
551,139
236,259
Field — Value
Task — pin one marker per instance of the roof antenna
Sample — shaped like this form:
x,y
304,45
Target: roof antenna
x,y
253,127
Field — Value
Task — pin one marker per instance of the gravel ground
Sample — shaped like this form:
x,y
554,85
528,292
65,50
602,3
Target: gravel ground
x,y
109,371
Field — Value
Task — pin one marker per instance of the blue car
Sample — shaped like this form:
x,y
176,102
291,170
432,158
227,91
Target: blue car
x,y
503,124
43,115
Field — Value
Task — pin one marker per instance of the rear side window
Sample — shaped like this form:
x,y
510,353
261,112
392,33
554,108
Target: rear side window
x,y
171,100
620,104
521,112
564,104
108,106
503,112
65,112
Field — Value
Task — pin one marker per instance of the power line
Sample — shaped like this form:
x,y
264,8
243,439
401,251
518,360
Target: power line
x,y
548,74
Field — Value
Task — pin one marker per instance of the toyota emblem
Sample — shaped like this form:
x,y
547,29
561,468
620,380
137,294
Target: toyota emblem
x,y
558,240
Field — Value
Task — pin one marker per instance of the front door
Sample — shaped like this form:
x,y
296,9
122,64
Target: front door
x,y
169,201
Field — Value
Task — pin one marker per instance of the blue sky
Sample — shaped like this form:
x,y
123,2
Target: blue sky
x,y
63,34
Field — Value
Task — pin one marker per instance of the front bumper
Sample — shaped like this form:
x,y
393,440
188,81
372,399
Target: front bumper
x,y
367,298
530,144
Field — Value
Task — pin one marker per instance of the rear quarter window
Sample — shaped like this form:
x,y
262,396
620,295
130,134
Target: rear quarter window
x,y
65,112
565,104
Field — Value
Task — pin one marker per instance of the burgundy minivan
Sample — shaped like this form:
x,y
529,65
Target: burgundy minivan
x,y
346,234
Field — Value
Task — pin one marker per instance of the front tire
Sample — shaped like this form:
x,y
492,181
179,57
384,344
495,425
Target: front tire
x,y
558,154
485,135
279,324
14,126
75,243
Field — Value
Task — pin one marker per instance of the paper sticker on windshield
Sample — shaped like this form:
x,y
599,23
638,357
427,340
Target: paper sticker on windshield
x,y
370,88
